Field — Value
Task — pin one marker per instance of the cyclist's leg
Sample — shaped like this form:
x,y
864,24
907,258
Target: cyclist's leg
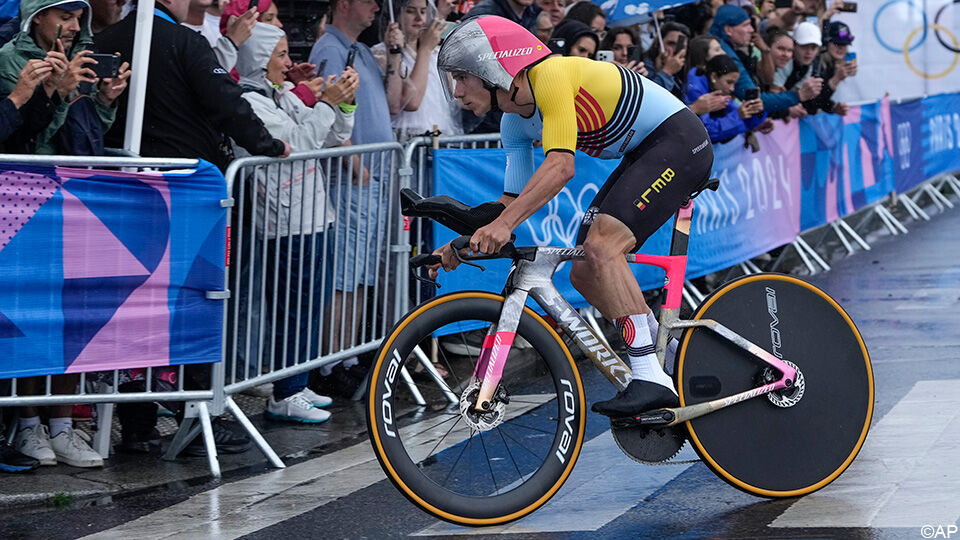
x,y
635,201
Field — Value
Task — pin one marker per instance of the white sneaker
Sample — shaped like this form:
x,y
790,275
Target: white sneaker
x,y
296,408
35,442
264,390
315,398
71,449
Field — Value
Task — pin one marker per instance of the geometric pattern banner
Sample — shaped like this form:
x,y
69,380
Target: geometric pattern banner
x,y
103,270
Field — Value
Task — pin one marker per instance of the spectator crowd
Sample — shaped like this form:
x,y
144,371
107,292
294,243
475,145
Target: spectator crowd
x,y
223,83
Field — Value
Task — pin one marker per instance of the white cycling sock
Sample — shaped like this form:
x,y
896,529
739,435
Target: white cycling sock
x,y
670,354
643,359
59,425
28,422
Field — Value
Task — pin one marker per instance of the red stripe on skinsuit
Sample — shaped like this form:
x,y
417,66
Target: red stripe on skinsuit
x,y
596,106
594,120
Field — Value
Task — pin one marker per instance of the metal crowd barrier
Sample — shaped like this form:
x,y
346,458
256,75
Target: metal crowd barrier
x,y
103,388
316,250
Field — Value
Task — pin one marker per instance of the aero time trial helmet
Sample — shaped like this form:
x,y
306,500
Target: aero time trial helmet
x,y
492,48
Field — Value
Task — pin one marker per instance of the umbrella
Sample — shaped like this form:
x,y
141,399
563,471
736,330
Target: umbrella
x,y
627,12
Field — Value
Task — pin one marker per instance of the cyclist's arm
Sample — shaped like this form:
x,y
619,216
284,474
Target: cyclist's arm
x,y
546,183
554,89
518,145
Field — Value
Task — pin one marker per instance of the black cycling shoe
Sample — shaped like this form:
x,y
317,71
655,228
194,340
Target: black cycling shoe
x,y
639,397
12,461
228,440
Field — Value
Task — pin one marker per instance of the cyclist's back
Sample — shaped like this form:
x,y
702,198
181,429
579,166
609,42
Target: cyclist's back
x,y
604,109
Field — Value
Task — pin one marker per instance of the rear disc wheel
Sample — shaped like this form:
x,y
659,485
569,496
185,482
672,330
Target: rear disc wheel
x,y
799,440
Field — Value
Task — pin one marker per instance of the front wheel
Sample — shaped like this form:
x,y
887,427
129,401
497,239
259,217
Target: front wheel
x,y
782,444
460,467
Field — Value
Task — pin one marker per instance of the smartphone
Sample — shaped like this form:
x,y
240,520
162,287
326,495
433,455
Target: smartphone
x,y
777,4
107,66
350,56
253,4
634,52
556,45
751,93
450,26
850,57
681,44
59,33
848,7
605,56
321,66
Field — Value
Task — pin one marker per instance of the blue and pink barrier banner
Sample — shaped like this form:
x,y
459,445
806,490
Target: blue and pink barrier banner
x,y
103,270
804,175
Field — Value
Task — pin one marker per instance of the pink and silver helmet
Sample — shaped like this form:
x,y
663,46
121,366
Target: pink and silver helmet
x,y
492,48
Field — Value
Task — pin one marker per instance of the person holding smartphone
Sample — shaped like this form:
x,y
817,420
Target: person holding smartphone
x,y
732,26
422,104
298,214
625,44
835,66
61,31
666,65
737,117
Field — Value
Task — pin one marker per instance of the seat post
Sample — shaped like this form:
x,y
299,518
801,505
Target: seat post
x,y
681,229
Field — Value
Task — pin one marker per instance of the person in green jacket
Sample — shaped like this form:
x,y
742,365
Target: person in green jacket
x,y
63,26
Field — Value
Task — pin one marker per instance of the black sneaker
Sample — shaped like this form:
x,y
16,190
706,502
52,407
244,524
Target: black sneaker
x,y
139,443
12,461
639,397
226,436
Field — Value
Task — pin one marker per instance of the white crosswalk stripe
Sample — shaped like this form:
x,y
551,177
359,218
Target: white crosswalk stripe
x,y
604,484
239,508
906,474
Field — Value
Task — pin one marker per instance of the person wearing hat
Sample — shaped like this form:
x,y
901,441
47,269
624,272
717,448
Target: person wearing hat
x,y
797,73
732,27
834,68
63,27
576,39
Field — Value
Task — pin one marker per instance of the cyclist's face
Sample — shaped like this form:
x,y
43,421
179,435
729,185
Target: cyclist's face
x,y
469,91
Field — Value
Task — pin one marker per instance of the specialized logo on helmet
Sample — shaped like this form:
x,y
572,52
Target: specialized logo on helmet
x,y
509,53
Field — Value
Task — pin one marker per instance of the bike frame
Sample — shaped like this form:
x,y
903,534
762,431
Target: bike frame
x,y
534,279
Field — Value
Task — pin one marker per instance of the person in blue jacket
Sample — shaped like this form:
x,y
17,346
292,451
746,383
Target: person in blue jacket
x,y
732,27
736,118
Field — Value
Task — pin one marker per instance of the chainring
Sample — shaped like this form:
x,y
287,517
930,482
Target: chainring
x,y
650,446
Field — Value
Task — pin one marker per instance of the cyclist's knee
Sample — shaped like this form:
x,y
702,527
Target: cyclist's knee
x,y
600,251
579,274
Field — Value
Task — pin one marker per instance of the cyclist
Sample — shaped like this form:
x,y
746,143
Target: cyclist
x,y
605,111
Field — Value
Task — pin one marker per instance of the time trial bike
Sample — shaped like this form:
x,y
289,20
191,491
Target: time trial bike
x,y
774,379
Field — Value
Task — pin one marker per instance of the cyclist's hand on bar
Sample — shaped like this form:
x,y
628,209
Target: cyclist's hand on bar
x,y
490,238
449,263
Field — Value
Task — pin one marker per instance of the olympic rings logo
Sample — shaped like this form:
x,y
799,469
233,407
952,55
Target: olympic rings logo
x,y
908,46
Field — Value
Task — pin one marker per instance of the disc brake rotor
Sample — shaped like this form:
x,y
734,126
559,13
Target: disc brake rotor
x,y
650,446
482,421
